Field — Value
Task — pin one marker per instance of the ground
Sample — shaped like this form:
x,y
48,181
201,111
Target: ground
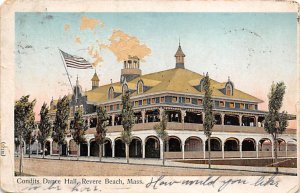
x,y
70,167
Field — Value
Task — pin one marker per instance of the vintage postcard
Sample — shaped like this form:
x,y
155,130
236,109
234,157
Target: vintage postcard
x,y
149,96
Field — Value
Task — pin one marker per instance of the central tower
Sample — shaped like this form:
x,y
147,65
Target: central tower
x,y
179,57
131,69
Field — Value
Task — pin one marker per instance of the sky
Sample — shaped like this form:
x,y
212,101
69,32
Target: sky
x,y
253,49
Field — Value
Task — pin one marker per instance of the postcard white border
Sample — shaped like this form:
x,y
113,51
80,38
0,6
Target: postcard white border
x,y
7,72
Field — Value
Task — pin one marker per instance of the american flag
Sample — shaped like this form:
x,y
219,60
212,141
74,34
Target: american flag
x,y
75,61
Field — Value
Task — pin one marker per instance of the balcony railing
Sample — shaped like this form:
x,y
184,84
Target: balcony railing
x,y
192,127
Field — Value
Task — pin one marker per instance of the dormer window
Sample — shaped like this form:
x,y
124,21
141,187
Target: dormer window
x,y
124,88
229,88
140,87
110,93
201,85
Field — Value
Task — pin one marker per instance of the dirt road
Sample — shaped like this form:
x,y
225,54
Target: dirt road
x,y
48,167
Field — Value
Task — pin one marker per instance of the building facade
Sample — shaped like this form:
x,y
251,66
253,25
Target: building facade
x,y
238,131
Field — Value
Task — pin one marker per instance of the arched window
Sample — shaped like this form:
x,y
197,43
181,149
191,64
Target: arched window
x,y
229,88
110,93
124,88
140,87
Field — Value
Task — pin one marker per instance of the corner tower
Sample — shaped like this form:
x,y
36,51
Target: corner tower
x,y
95,81
131,69
179,57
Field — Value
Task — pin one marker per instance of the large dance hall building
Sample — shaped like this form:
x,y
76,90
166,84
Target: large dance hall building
x,y
238,131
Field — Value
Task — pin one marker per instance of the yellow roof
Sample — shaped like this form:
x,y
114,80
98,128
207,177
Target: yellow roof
x,y
174,80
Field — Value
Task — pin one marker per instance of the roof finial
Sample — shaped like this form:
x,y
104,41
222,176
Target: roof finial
x,y
179,40
110,81
77,80
228,78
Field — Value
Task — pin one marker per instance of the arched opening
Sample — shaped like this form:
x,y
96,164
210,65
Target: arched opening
x,y
110,93
265,144
107,148
135,148
84,149
231,144
281,144
193,144
248,121
292,146
140,87
64,149
215,144
193,117
55,148
119,148
152,147
228,90
47,148
248,144
173,144
231,119
94,148
73,147
218,119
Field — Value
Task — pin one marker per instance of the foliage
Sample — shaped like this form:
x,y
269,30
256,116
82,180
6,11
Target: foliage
x,y
44,125
161,128
101,130
60,122
276,122
161,131
209,120
78,128
127,122
29,136
127,118
24,117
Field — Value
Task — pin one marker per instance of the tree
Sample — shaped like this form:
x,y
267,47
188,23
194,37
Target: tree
x,y
127,122
23,113
276,122
60,122
209,120
101,130
161,132
29,136
44,127
78,129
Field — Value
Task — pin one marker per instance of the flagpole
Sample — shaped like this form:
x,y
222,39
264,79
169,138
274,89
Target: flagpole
x,y
76,88
65,68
